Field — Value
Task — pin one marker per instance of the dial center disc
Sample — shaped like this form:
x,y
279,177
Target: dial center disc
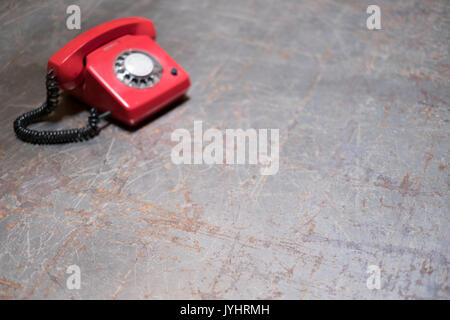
x,y
138,64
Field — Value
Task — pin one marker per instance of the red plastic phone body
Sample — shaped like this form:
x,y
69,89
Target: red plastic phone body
x,y
85,68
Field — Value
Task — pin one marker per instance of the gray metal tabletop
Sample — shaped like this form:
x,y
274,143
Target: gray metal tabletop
x,y
363,169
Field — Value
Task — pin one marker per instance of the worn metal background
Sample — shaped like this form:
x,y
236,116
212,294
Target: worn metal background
x,y
363,180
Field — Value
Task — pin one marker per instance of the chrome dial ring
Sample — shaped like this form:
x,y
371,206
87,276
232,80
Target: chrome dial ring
x,y
137,69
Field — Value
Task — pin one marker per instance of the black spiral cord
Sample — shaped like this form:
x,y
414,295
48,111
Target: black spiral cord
x,y
54,136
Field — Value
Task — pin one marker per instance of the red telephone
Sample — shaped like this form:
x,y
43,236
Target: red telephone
x,y
116,67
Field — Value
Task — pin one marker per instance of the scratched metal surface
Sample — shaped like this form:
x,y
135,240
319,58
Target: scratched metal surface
x,y
363,179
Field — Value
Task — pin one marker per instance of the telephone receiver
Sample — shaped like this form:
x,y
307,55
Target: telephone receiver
x,y
116,68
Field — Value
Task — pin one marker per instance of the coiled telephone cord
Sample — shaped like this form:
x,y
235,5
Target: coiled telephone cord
x,y
54,136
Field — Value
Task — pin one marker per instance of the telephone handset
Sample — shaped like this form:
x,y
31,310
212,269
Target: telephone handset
x,y
116,68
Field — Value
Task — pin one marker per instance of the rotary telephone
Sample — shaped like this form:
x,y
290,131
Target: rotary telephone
x,y
116,68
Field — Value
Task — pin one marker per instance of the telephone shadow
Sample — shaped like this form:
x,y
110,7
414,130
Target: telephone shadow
x,y
69,106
